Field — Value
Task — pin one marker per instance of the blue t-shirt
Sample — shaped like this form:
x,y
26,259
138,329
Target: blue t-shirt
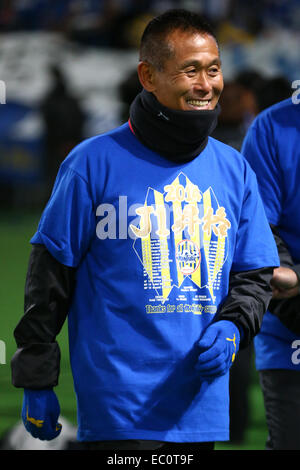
x,y
154,243
271,147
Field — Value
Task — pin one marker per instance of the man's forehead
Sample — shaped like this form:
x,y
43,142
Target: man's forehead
x,y
190,35
183,45
196,40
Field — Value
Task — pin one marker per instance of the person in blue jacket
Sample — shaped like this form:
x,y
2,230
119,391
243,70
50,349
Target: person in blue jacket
x,y
271,146
155,245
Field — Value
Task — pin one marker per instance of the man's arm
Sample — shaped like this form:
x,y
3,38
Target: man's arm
x,y
48,291
248,299
285,281
285,303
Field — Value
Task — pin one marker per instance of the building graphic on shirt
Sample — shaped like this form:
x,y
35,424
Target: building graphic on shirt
x,y
182,233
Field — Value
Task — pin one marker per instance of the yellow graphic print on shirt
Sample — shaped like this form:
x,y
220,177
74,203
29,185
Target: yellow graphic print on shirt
x,y
182,233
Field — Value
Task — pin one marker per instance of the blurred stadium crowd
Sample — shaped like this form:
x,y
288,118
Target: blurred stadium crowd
x,y
113,23
69,71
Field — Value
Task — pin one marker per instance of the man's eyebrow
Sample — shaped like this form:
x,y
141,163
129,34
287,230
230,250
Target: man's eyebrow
x,y
216,61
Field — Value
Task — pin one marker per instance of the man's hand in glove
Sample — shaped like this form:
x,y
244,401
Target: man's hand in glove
x,y
40,413
218,347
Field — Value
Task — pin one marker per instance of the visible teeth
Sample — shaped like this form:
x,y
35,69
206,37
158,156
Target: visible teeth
x,y
198,102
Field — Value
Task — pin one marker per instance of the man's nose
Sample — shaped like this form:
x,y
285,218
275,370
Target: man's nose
x,y
202,83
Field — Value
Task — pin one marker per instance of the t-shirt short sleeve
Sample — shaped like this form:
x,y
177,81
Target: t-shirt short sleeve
x,y
68,221
255,245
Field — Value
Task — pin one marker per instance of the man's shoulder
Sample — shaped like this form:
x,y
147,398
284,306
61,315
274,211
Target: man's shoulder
x,y
279,108
225,150
222,145
101,140
93,149
279,114
232,158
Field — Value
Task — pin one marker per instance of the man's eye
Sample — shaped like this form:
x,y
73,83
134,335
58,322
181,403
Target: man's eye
x,y
190,72
213,70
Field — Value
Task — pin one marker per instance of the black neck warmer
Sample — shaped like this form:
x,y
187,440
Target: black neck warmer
x,y
177,135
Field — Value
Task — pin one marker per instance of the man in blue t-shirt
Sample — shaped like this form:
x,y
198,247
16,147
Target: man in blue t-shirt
x,y
155,245
271,146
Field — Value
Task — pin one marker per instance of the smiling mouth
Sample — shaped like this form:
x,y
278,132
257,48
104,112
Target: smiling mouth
x,y
199,104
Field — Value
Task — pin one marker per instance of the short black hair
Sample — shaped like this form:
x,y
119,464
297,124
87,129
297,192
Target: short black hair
x,y
154,47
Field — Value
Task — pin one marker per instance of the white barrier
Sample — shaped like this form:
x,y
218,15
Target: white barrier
x,y
2,352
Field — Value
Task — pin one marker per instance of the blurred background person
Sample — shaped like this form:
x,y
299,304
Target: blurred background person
x,y
128,90
64,125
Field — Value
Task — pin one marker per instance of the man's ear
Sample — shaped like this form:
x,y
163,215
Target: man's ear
x,y
146,74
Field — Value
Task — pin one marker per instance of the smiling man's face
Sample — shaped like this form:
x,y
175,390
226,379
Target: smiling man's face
x,y
191,78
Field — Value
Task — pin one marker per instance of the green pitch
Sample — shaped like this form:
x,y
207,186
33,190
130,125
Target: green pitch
x,y
16,230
